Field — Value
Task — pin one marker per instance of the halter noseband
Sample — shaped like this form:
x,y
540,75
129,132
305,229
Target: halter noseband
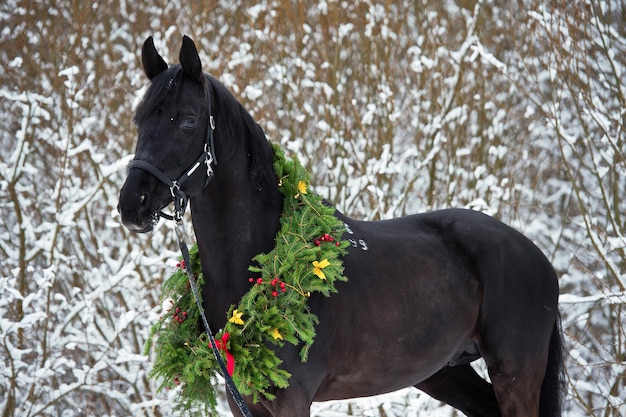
x,y
179,196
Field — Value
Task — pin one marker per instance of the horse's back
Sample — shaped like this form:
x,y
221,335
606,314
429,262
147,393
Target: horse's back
x,y
499,255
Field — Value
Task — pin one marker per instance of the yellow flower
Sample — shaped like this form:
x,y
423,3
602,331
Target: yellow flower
x,y
276,335
301,189
236,318
318,266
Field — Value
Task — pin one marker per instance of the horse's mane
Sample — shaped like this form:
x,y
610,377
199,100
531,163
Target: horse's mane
x,y
233,122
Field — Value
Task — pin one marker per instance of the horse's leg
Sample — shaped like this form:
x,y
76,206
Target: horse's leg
x,y
294,401
276,409
462,388
517,384
257,410
517,365
292,409
290,402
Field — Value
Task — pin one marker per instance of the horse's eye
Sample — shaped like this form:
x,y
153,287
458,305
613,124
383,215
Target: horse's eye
x,y
189,124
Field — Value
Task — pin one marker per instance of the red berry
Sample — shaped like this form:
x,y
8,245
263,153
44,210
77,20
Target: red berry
x,y
250,279
317,242
337,243
259,281
184,313
274,293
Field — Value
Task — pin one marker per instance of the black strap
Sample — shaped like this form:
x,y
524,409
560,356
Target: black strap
x,y
230,384
138,163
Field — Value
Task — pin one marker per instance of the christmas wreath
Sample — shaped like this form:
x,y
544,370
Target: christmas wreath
x,y
305,259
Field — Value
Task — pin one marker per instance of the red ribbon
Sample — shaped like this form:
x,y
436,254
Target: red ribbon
x,y
230,359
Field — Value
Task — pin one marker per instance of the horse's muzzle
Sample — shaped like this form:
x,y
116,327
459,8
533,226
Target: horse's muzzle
x,y
140,221
138,207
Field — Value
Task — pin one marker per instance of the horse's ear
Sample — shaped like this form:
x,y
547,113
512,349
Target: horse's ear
x,y
189,59
152,62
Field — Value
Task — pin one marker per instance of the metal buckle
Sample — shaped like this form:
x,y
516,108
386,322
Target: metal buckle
x,y
209,159
175,187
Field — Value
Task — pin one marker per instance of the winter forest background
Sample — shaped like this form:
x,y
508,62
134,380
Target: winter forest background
x,y
515,108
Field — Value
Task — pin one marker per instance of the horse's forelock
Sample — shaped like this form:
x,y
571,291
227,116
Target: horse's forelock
x,y
162,86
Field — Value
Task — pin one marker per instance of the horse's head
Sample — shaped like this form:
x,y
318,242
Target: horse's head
x,y
173,156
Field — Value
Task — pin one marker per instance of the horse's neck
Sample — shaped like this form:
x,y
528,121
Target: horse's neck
x,y
233,223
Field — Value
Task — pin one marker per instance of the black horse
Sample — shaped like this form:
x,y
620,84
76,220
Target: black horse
x,y
426,294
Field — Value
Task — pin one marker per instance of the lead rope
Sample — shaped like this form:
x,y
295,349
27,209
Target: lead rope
x,y
180,205
230,384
